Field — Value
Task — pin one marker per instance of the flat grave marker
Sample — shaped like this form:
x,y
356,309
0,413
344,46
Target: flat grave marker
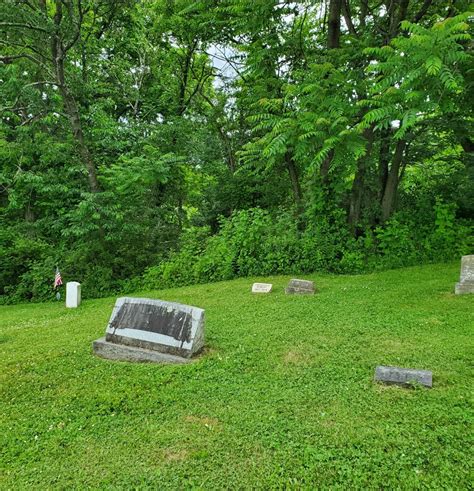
x,y
300,287
403,376
262,288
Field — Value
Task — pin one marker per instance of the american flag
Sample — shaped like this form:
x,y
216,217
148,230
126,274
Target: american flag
x,y
57,278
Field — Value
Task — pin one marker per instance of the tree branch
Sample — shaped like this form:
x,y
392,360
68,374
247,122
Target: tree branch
x,y
43,82
347,17
78,26
11,58
24,46
200,83
424,8
24,26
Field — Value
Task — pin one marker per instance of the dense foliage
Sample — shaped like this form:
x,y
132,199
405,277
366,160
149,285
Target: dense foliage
x,y
176,141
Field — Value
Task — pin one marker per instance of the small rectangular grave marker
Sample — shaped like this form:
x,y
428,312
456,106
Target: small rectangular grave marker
x,y
466,280
300,287
73,294
262,287
142,329
403,376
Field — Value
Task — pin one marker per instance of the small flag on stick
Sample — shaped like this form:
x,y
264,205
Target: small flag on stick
x,y
58,281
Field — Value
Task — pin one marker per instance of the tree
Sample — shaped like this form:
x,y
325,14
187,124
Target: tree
x,y
45,33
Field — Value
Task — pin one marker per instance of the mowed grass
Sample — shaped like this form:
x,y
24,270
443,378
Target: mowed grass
x,y
283,396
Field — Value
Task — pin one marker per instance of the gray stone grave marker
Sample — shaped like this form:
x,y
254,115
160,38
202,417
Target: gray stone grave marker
x,y
466,280
403,376
142,329
262,288
300,287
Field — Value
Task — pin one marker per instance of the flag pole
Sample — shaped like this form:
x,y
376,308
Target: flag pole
x,y
58,281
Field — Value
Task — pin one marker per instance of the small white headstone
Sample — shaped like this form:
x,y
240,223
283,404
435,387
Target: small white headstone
x,y
73,294
262,287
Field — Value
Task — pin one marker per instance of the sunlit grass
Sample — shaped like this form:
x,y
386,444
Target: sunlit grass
x,y
284,395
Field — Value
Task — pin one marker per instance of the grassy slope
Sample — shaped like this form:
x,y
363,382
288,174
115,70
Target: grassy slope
x,y
284,395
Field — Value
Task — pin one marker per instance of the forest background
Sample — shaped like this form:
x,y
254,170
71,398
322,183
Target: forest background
x,y
167,142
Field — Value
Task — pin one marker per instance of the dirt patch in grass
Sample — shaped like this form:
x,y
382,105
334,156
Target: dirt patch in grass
x,y
175,455
295,357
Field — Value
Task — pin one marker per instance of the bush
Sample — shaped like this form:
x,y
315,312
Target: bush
x,y
255,242
251,242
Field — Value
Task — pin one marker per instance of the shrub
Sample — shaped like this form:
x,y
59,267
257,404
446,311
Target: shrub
x,y
255,242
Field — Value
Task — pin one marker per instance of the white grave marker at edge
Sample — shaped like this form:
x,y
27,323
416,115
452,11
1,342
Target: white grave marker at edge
x,y
73,294
466,281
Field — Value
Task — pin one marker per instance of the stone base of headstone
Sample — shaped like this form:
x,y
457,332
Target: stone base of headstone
x,y
403,376
300,287
462,288
114,351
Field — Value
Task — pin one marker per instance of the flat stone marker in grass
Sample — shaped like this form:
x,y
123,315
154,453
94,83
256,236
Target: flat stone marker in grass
x,y
403,376
262,287
142,329
466,281
300,287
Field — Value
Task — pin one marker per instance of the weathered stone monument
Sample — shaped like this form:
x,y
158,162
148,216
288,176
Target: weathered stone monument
x,y
142,329
73,294
262,288
403,376
300,287
466,280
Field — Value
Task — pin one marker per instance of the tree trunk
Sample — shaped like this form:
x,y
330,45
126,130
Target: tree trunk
x,y
231,165
334,23
184,81
358,184
73,113
384,160
58,57
346,11
325,166
390,191
364,10
295,182
226,141
396,16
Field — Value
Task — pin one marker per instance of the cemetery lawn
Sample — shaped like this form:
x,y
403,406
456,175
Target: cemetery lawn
x,y
283,396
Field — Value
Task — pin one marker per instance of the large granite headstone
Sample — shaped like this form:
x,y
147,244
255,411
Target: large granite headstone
x,y
300,287
262,287
403,376
466,281
142,329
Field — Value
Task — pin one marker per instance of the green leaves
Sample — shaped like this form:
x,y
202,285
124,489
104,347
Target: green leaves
x,y
277,146
417,76
286,123
433,65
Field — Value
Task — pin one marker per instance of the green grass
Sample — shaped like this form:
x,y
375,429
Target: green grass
x,y
283,397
